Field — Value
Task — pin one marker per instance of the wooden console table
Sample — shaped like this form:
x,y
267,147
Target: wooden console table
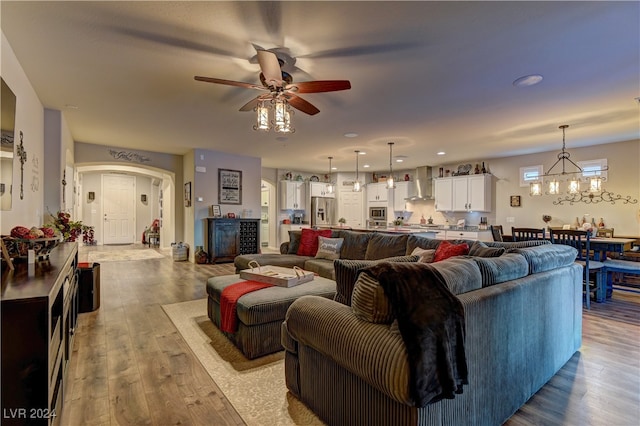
x,y
39,313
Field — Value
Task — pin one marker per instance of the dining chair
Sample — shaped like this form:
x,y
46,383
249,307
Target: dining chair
x,y
526,234
605,232
496,232
580,240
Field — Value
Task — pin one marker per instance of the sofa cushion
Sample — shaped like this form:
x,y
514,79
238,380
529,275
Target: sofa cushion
x,y
294,242
547,257
369,302
509,266
460,274
447,249
381,246
321,267
414,241
347,270
309,241
329,248
517,244
478,248
354,245
426,255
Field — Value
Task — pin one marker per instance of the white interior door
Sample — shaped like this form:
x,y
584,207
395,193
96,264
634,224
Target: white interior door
x,y
351,208
118,202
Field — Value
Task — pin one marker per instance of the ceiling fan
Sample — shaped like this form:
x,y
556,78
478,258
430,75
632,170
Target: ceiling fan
x,y
278,83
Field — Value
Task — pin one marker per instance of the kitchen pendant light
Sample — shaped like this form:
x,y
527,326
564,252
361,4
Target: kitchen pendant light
x,y
357,187
390,181
331,188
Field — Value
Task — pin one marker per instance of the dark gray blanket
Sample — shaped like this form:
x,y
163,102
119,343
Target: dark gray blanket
x,y
431,322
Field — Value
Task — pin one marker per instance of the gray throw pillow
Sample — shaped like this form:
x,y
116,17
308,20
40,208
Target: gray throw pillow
x,y
426,255
329,248
369,302
480,249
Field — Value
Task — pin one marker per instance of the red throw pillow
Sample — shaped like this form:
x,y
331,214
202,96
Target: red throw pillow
x,y
447,249
309,241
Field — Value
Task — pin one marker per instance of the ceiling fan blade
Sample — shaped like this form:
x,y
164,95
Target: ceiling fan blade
x,y
249,106
319,86
229,82
300,104
270,68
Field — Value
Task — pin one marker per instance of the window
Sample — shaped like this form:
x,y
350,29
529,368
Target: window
x,y
594,168
530,174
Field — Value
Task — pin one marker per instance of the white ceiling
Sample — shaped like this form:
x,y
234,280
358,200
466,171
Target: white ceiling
x,y
429,76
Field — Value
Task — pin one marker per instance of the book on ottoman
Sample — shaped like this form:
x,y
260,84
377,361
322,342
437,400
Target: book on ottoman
x,y
276,275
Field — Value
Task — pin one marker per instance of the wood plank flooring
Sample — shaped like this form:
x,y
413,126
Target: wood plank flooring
x,y
130,366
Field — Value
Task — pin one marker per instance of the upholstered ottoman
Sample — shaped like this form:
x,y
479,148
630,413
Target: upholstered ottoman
x,y
261,313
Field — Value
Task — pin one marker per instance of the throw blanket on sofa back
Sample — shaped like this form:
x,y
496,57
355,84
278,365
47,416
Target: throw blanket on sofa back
x,y
431,321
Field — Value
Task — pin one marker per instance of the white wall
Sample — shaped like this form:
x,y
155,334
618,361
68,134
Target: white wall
x,y
28,211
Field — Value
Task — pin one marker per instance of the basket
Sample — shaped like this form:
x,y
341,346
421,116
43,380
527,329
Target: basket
x,y
18,248
180,252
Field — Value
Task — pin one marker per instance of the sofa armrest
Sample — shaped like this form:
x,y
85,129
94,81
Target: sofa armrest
x,y
371,351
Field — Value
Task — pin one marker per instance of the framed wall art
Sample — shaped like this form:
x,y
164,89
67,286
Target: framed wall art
x,y
229,186
215,211
187,194
515,201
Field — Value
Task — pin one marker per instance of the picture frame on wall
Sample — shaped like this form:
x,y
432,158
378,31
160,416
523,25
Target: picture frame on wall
x,y
187,194
516,201
229,186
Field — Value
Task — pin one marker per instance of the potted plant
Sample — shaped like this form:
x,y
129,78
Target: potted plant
x,y
398,222
342,221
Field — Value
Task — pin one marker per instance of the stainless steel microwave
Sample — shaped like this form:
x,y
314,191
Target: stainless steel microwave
x,y
378,213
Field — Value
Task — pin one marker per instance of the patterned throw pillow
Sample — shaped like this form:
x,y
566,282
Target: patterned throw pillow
x,y
329,248
426,256
369,302
447,249
309,241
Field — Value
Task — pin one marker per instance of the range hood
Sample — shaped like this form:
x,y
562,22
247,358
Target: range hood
x,y
423,184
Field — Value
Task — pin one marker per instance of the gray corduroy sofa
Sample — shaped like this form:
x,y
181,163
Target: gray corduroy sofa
x,y
523,315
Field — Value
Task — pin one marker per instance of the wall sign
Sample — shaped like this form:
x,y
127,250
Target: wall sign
x,y
229,186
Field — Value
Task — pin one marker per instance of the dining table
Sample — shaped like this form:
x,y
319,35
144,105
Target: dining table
x,y
602,245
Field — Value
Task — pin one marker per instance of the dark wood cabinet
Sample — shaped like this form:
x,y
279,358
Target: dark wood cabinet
x,y
227,238
39,314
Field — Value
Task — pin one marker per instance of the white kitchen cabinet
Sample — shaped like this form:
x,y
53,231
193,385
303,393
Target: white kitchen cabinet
x,y
292,195
403,190
463,193
319,189
452,234
377,194
443,193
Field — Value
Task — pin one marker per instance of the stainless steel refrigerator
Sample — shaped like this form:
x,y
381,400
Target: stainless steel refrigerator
x,y
322,211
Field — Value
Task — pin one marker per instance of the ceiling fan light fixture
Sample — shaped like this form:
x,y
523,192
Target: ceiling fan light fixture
x,y
282,116
262,117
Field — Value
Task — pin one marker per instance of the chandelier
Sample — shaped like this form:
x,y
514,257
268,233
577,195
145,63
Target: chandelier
x,y
282,113
331,187
594,194
357,186
390,182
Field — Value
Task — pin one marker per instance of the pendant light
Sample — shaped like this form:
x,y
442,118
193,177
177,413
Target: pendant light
x,y
357,187
331,188
390,181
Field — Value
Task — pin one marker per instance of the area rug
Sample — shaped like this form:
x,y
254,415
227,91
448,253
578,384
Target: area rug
x,y
256,388
123,255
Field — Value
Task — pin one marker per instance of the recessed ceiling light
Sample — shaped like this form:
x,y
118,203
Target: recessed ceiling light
x,y
528,80
366,166
350,135
362,153
441,153
399,160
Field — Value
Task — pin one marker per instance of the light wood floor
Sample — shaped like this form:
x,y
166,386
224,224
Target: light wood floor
x,y
131,367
